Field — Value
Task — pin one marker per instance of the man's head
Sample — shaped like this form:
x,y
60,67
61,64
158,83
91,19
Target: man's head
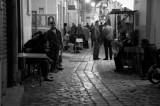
x,y
107,23
79,25
73,24
53,25
35,36
97,23
65,24
144,43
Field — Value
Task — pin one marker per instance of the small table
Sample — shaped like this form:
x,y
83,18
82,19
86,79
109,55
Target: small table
x,y
33,56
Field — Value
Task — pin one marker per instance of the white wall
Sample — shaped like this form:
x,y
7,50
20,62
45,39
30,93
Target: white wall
x,y
65,15
51,6
36,4
73,14
127,3
141,6
155,22
27,32
73,17
149,20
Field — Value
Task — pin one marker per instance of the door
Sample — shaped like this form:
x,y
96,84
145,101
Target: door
x,y
34,22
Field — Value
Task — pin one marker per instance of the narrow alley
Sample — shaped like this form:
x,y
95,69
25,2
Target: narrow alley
x,y
35,33
85,82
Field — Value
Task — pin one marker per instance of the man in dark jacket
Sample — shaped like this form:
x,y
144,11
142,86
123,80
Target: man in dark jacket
x,y
119,58
53,36
37,45
148,56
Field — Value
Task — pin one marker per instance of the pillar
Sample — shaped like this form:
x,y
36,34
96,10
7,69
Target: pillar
x,y
12,34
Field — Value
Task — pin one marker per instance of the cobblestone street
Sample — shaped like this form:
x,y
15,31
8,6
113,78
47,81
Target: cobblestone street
x,y
85,82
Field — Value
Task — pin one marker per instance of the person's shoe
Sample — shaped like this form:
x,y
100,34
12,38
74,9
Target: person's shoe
x,y
48,79
105,59
59,68
54,71
96,58
78,52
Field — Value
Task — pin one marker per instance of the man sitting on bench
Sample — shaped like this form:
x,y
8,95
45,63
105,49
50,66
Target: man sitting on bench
x,y
36,45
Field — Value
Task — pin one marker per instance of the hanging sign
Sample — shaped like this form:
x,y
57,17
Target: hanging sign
x,y
71,7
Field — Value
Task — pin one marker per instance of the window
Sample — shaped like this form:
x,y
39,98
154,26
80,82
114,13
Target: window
x,y
41,10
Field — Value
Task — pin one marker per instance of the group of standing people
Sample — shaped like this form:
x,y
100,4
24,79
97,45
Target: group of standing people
x,y
102,34
76,32
99,33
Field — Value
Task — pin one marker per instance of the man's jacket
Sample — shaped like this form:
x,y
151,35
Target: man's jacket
x,y
54,39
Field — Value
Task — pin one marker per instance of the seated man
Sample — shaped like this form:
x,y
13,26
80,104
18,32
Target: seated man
x,y
72,39
148,56
36,45
127,42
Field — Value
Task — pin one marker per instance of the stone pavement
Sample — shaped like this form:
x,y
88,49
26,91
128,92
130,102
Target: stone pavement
x,y
85,82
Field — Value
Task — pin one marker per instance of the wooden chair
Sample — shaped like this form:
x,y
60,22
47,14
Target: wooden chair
x,y
33,70
131,58
79,43
32,67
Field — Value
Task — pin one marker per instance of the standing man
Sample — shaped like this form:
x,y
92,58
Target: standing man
x,y
100,28
92,33
97,41
107,39
74,28
53,36
87,25
86,33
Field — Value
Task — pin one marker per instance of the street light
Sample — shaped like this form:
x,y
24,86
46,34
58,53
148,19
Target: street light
x,y
93,4
87,1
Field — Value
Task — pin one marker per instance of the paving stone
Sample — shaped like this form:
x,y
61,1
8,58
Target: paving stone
x,y
85,82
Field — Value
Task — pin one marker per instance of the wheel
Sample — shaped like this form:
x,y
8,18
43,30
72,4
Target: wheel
x,y
153,75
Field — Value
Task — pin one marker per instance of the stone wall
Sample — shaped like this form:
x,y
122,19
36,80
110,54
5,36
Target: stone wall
x,y
3,47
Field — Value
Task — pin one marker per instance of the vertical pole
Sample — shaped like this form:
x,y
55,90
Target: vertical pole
x,y
12,33
133,21
115,26
0,83
78,11
85,13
